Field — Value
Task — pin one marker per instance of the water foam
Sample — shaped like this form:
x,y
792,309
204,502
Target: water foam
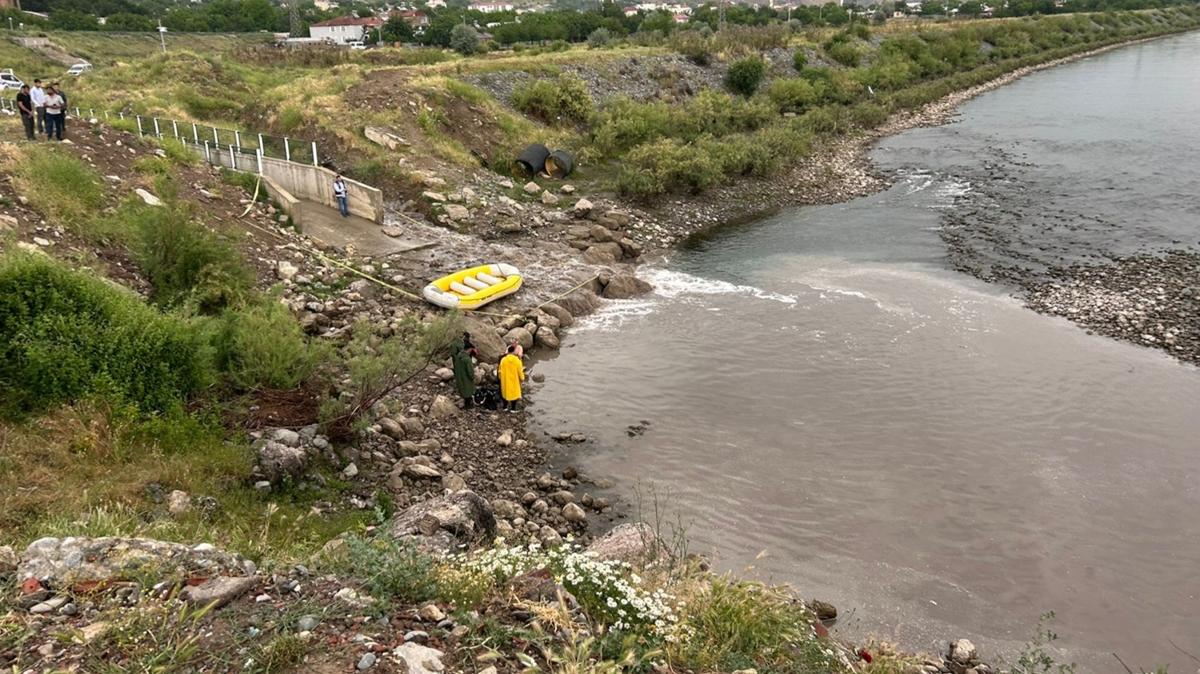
x,y
672,284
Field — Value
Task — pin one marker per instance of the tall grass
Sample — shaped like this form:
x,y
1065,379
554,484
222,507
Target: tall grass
x,y
63,188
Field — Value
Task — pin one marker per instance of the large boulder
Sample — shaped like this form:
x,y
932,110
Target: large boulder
x,y
604,253
565,319
219,591
490,346
624,286
546,339
580,302
420,659
634,543
8,561
442,407
277,461
61,561
520,336
446,523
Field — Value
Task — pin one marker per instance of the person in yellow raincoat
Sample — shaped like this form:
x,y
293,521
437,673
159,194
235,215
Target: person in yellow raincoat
x,y
512,373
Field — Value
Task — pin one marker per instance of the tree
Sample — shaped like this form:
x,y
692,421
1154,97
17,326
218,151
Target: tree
x,y
971,8
745,75
599,38
464,39
397,29
69,19
130,23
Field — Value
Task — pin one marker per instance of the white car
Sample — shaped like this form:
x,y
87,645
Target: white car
x,y
356,44
79,69
9,81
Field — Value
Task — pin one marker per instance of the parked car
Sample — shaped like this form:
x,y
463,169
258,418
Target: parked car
x,y
9,81
79,69
356,44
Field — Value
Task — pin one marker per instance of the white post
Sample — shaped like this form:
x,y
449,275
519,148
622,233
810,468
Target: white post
x,y
232,159
106,115
157,131
260,143
207,152
175,128
258,155
314,145
237,138
77,112
287,149
216,138
195,133
139,121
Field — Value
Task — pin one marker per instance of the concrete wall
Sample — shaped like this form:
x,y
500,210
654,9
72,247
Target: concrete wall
x,y
304,181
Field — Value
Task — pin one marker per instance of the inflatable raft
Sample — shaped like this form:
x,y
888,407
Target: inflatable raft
x,y
474,287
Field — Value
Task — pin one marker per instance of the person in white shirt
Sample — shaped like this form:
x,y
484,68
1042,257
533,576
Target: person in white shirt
x,y
38,94
55,112
342,196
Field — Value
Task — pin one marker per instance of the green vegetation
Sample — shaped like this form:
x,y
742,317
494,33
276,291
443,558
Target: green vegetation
x,y
263,346
68,335
59,185
745,75
564,100
464,39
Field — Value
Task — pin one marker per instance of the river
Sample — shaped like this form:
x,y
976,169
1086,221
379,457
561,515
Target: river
x,y
909,442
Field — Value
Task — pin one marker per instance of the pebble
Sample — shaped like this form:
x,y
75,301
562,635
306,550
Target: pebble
x,y
366,662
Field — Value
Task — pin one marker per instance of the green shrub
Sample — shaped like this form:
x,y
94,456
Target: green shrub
x,y
745,75
694,45
799,60
793,94
844,52
392,570
563,100
207,107
184,261
151,166
290,119
625,123
263,346
667,165
868,115
821,120
65,335
59,186
464,39
599,38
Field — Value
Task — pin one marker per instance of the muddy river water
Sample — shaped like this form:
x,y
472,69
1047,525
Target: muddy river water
x,y
911,443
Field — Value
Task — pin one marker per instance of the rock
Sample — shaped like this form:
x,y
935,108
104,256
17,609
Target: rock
x,y
581,302
631,248
391,428
562,497
457,213
453,482
64,561
179,503
420,659
823,610
218,591
531,188
601,234
385,137
150,199
490,346
634,543
41,242
505,439
8,561
366,662
505,509
388,230
603,253
444,373
416,636
307,623
434,196
565,319
625,285
350,471
418,470
582,208
442,407
567,189
286,436
430,613
285,270
573,513
277,461
546,338
446,522
549,537
962,652
48,606
520,336
549,198
539,586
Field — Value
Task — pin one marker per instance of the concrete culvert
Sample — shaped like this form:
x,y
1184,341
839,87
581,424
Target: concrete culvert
x,y
532,159
559,164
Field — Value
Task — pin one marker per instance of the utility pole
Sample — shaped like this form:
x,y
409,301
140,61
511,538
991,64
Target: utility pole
x,y
162,36
294,18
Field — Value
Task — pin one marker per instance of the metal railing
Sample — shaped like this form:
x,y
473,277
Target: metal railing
x,y
205,137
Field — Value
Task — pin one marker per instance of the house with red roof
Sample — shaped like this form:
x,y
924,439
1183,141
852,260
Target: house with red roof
x,y
344,29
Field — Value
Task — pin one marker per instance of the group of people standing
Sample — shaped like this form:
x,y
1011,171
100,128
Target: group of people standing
x,y
510,372
45,108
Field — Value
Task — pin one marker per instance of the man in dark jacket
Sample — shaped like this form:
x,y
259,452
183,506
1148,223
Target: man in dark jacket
x,y
464,369
26,109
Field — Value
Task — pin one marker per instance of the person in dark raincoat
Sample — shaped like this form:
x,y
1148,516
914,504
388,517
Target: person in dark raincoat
x,y
464,369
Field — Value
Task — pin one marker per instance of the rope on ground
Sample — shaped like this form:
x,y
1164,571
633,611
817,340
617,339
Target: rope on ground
x,y
254,199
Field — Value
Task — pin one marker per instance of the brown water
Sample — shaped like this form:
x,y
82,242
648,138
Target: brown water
x,y
910,443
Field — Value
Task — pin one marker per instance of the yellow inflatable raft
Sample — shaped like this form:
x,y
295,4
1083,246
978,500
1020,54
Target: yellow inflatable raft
x,y
474,287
